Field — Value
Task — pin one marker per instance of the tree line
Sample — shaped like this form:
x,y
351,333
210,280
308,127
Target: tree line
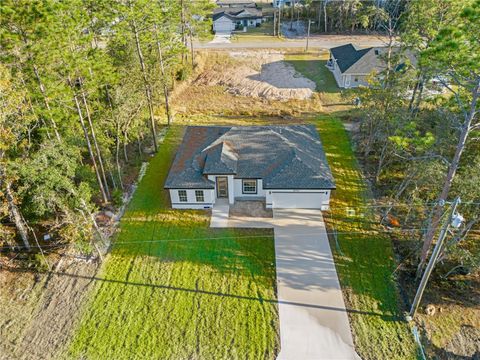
x,y
419,125
345,16
82,82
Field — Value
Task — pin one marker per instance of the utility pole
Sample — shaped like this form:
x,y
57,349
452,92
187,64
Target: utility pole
x,y
455,220
308,33
279,32
274,22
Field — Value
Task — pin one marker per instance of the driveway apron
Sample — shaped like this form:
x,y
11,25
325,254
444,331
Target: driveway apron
x,y
313,318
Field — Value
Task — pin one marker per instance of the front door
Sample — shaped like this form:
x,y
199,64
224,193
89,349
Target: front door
x,y
222,187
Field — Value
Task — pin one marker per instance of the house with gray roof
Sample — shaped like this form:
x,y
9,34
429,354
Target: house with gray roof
x,y
228,19
284,166
352,67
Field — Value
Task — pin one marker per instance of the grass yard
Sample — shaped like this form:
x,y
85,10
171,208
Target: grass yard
x,y
364,258
312,65
172,288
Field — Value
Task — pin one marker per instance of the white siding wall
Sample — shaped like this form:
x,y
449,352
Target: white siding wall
x,y
338,76
238,189
209,197
313,199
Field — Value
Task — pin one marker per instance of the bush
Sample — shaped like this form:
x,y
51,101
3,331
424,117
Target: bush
x,y
117,197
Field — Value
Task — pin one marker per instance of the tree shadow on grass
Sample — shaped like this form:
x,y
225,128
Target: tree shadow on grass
x,y
202,292
240,251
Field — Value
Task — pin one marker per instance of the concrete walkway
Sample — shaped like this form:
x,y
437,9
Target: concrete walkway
x,y
220,212
313,319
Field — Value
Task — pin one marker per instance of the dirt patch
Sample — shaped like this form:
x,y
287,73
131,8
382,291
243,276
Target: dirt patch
x,y
262,74
250,208
39,311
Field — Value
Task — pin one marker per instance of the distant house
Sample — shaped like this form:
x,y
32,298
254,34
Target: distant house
x,y
284,166
226,20
282,3
235,3
352,67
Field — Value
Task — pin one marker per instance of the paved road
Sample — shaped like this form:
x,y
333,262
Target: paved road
x,y
318,41
313,319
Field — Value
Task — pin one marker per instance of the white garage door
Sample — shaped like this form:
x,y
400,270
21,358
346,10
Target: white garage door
x,y
223,25
297,200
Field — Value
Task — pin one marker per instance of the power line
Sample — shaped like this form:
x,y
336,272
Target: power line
x,y
365,232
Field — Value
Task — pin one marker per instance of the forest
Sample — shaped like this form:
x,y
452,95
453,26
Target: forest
x,y
81,84
419,127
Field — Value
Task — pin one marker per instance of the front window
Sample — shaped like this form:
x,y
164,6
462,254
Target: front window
x,y
182,195
199,196
249,186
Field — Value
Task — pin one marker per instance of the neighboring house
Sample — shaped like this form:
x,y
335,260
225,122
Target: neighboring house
x,y
235,3
282,3
285,166
352,67
226,20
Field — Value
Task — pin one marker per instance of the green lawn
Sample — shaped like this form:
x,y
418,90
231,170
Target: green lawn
x,y
172,288
364,258
312,66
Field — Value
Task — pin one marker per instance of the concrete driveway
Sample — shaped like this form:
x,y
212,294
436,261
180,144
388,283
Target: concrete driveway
x,y
313,319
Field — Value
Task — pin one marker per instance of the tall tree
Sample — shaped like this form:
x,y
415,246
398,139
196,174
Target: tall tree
x,y
455,55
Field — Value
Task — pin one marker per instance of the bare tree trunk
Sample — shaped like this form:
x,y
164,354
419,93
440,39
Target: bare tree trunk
x,y
182,27
292,6
415,90
117,156
319,15
325,14
95,143
148,90
13,211
46,102
125,152
438,210
89,146
274,23
164,81
192,53
279,31
381,161
16,216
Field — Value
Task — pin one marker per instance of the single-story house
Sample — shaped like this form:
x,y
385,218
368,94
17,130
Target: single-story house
x,y
285,166
235,3
352,67
226,20
281,3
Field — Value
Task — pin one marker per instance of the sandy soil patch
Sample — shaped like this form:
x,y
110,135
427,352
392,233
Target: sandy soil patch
x,y
41,310
261,74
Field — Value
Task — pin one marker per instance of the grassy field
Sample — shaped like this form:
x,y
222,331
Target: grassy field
x,y
364,258
172,288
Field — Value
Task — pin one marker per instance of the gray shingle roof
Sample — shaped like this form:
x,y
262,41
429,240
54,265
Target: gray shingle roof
x,y
285,157
237,13
347,55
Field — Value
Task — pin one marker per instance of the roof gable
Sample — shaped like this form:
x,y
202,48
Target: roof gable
x,y
347,55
